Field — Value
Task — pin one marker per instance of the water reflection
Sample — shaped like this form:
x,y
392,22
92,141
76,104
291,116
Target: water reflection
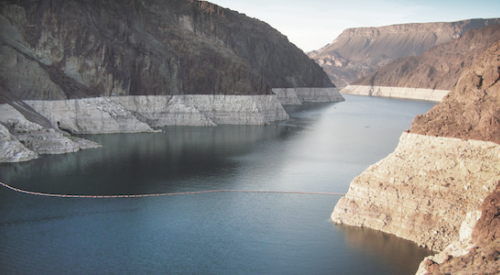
x,y
139,161
383,248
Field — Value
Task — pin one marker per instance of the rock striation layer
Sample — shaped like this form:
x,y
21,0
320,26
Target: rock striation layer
x,y
360,51
296,96
396,92
440,187
424,190
204,110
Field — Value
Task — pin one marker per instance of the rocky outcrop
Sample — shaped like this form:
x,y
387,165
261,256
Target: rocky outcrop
x,y
437,68
296,96
478,252
471,109
424,190
11,149
23,139
358,52
440,186
396,92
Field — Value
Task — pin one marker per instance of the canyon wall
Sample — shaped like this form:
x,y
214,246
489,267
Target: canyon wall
x,y
95,67
69,49
437,69
358,52
22,139
439,187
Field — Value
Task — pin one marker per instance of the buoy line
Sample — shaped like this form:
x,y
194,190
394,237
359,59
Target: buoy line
x,y
158,194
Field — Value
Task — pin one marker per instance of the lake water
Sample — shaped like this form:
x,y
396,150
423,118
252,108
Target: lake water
x,y
321,148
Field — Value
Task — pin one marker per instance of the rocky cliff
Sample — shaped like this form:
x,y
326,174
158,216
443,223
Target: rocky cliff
x,y
55,49
83,66
437,68
438,188
472,110
361,51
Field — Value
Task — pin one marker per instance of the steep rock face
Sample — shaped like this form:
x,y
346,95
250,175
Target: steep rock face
x,y
56,49
482,257
472,109
441,192
437,68
360,51
423,190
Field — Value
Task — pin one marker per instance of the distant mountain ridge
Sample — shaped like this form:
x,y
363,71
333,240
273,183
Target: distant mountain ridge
x,y
358,52
439,67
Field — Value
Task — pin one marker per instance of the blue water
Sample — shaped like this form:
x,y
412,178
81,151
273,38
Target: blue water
x,y
321,148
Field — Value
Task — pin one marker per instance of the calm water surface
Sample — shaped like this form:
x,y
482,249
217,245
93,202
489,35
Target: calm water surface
x,y
321,148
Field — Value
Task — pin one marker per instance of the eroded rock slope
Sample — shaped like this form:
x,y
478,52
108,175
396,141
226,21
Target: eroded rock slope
x,y
440,186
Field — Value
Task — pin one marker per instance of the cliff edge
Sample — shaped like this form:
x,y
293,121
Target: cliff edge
x,y
439,187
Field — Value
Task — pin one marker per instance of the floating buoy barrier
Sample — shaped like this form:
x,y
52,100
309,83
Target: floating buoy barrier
x,y
160,194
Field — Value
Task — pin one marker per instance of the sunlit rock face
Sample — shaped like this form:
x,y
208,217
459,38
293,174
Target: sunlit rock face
x,y
439,187
424,189
358,52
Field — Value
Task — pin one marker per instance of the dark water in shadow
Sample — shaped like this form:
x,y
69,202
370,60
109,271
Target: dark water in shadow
x,y
320,149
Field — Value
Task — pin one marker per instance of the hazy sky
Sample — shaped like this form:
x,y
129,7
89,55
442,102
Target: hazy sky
x,y
311,24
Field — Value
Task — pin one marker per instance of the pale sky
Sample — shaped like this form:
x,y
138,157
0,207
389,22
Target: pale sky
x,y
311,24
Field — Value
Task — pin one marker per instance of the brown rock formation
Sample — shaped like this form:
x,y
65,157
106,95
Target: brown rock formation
x,y
54,49
440,188
488,226
485,257
472,109
361,51
439,67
